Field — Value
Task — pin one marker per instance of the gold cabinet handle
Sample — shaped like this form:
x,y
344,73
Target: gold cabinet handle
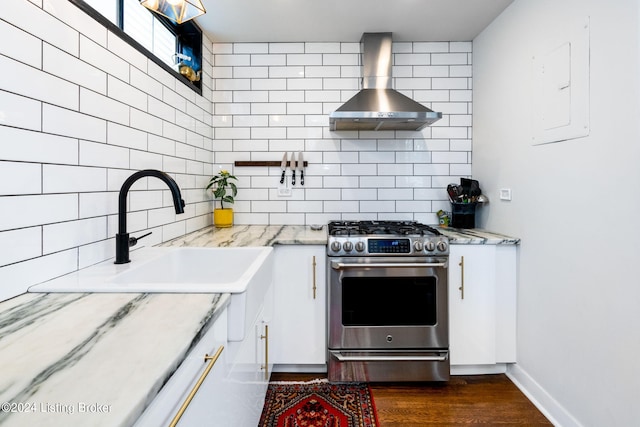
x,y
315,287
212,361
461,288
265,337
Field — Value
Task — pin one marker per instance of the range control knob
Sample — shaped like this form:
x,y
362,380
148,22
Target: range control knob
x,y
442,246
430,246
347,246
360,246
417,245
335,246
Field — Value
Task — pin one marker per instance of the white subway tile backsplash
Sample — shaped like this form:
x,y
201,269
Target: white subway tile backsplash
x,y
69,67
145,122
96,105
24,47
431,47
96,252
449,59
313,47
20,178
268,59
20,245
377,206
37,84
57,121
66,235
144,160
413,59
73,179
126,94
124,50
24,145
395,169
18,111
16,278
96,204
34,210
101,58
41,24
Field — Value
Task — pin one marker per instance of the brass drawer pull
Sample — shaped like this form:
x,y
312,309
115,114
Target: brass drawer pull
x,y
212,361
461,288
265,367
315,287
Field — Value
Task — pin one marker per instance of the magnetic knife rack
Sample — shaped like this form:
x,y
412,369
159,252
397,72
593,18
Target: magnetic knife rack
x,y
264,163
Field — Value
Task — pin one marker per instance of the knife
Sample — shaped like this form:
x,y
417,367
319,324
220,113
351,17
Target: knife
x,y
292,165
283,166
301,167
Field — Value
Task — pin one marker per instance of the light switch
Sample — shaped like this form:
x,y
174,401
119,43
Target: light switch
x,y
505,194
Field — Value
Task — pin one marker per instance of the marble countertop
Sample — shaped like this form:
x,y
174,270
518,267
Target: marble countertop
x,y
253,235
476,236
269,235
72,359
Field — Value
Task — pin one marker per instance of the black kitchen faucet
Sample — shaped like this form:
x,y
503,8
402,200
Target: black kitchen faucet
x,y
123,242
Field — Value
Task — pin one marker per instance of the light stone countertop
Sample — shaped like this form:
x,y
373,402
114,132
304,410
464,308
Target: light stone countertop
x,y
71,359
253,235
269,235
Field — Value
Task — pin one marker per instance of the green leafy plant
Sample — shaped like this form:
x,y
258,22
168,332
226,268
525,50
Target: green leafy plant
x,y
218,184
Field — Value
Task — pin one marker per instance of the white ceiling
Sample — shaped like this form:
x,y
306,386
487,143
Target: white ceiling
x,y
346,20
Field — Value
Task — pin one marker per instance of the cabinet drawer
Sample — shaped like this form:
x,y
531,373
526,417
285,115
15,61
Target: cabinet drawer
x,y
164,407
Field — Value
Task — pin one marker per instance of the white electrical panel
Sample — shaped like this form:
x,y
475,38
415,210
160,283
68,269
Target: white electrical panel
x,y
561,89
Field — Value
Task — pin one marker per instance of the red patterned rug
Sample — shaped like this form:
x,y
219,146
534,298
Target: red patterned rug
x,y
318,404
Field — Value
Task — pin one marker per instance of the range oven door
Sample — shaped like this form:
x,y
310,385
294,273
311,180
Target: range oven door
x,y
388,319
388,303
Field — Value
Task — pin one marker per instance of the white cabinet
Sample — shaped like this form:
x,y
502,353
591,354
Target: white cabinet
x,y
232,392
206,362
248,377
299,322
482,303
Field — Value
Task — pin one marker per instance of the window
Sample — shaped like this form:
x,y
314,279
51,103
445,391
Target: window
x,y
157,37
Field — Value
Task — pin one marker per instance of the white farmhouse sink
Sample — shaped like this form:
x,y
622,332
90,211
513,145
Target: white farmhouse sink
x,y
245,272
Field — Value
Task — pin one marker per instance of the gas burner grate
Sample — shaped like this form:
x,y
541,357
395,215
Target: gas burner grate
x,y
398,228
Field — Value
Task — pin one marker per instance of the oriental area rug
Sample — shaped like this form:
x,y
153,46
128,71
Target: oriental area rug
x,y
318,403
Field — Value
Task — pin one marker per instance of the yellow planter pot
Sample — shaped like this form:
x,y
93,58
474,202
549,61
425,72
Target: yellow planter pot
x,y
223,218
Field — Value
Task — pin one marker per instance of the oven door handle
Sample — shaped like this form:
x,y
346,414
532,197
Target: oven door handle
x,y
336,265
441,357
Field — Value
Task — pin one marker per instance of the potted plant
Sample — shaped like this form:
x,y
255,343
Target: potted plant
x,y
219,184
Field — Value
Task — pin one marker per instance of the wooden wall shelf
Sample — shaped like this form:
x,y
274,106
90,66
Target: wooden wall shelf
x,y
263,163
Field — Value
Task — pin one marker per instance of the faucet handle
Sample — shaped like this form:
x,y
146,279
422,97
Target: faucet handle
x,y
134,240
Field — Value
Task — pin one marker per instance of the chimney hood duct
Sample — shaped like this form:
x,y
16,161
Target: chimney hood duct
x,y
377,106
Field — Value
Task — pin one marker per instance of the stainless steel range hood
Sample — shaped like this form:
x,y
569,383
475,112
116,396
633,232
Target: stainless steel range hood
x,y
378,106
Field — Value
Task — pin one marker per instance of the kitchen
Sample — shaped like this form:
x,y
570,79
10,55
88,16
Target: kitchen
x,y
59,184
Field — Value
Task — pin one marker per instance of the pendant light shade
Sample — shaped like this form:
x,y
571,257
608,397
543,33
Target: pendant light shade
x,y
178,11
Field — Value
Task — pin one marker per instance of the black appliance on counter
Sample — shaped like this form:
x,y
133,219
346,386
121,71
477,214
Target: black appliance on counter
x,y
387,302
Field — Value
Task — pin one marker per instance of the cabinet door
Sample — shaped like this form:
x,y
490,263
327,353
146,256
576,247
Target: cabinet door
x,y
472,308
299,319
248,378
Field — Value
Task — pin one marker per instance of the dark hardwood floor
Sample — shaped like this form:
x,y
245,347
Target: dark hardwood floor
x,y
475,399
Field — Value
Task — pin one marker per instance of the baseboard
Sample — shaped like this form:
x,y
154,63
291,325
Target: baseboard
x,y
550,407
499,368
300,368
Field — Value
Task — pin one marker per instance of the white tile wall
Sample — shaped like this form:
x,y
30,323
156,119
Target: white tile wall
x,y
80,110
276,97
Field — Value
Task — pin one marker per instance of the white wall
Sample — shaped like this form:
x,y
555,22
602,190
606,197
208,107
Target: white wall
x,y
575,205
80,110
275,97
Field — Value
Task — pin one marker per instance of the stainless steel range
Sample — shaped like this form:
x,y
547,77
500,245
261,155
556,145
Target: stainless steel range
x,y
387,302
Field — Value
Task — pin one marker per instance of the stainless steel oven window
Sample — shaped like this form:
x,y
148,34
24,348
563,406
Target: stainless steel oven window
x,y
389,301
